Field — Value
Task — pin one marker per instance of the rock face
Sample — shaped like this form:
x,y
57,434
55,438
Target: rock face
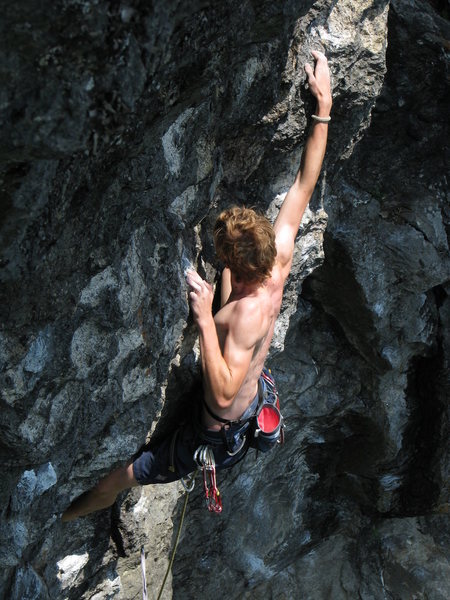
x,y
126,128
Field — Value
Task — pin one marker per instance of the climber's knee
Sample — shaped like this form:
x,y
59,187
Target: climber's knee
x,y
117,481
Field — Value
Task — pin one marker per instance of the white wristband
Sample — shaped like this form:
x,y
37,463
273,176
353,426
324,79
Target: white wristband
x,y
321,119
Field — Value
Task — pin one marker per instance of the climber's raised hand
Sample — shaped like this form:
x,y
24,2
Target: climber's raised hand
x,y
319,80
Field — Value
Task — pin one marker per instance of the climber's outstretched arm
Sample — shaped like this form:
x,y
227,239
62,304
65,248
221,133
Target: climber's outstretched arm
x,y
225,287
291,212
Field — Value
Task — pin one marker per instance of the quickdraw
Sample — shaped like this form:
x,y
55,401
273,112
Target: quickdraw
x,y
204,457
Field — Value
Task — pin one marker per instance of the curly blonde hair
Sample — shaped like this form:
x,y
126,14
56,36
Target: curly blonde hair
x,y
245,242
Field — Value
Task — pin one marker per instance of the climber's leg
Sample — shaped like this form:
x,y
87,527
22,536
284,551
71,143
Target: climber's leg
x,y
103,494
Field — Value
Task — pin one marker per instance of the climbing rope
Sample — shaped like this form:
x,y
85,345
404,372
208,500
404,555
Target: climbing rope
x,y
188,484
177,539
144,579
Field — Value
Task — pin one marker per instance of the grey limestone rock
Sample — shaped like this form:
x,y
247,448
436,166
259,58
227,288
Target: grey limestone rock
x,y
126,128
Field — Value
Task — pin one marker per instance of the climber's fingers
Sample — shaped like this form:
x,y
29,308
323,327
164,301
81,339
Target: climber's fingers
x,y
319,78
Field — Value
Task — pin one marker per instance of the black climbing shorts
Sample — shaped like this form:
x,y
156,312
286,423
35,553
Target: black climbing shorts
x,y
153,465
173,458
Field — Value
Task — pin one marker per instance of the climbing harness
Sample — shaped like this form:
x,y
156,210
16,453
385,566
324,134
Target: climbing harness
x,y
233,432
260,427
204,457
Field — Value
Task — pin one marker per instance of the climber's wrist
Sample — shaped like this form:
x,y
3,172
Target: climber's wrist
x,y
323,107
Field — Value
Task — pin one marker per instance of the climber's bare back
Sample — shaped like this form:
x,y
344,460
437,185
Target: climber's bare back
x,y
255,308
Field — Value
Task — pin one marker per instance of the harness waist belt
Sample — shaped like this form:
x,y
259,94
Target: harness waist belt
x,y
247,414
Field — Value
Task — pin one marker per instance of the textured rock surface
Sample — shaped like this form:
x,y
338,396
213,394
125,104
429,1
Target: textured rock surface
x,y
125,129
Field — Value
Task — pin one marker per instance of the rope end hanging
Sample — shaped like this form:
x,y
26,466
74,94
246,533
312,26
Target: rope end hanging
x,y
144,579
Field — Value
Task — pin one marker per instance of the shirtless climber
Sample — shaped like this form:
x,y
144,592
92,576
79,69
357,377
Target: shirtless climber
x,y
235,342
